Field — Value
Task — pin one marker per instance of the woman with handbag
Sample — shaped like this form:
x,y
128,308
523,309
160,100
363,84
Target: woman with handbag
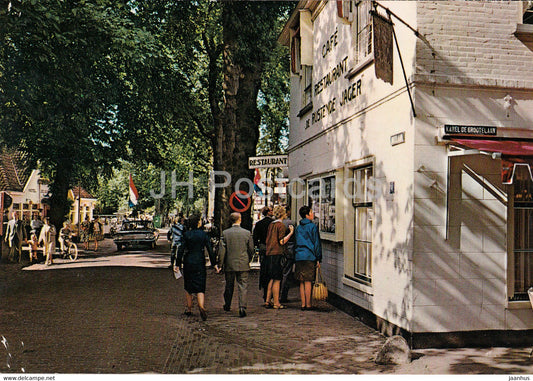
x,y
277,238
308,255
191,255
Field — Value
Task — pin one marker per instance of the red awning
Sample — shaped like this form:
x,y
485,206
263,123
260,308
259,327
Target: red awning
x,y
505,147
514,152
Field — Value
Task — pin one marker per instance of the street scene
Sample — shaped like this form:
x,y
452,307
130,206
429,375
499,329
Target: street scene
x,y
116,313
266,187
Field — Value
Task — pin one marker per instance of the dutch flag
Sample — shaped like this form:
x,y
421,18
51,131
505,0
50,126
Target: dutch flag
x,y
257,180
134,195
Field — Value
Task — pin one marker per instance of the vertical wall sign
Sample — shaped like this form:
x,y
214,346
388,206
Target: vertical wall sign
x,y
383,48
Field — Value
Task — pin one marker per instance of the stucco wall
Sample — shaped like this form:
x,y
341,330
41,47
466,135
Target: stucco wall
x,y
362,129
470,60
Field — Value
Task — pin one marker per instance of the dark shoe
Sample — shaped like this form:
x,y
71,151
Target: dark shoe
x,y
187,313
284,300
226,308
203,314
242,312
304,308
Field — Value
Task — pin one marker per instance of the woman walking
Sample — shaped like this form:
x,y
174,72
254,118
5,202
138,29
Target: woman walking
x,y
308,254
277,238
48,239
96,231
84,232
191,255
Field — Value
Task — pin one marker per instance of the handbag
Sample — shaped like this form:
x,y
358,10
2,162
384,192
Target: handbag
x,y
320,291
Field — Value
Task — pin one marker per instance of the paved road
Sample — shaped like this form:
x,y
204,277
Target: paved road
x,y
121,312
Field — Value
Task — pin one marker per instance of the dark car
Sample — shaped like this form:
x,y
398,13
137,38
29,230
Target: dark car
x,y
136,233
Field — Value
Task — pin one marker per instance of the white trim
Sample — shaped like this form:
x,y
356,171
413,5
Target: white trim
x,y
519,305
358,286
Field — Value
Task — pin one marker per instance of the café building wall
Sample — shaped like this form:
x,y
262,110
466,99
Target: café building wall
x,y
414,226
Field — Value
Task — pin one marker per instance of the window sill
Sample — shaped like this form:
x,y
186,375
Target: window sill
x,y
524,32
305,110
330,237
359,67
358,286
521,305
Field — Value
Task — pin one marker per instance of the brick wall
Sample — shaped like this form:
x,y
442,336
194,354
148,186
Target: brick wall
x,y
472,43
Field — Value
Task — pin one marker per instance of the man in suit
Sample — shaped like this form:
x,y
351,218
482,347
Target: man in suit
x,y
15,235
260,235
236,249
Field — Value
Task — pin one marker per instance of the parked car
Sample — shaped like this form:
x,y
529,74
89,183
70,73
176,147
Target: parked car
x,y
136,233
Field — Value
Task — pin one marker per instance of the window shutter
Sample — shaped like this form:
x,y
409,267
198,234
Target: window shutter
x,y
306,36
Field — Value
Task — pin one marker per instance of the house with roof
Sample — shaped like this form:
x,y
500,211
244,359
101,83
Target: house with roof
x,y
30,192
83,205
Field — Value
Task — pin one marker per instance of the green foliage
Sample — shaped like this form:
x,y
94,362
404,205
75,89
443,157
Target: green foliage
x,y
91,90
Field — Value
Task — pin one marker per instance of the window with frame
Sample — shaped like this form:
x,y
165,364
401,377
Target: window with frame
x,y
527,18
521,254
363,216
296,53
321,199
362,30
306,82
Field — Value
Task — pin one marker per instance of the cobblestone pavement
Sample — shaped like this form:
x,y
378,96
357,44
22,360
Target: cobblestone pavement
x,y
128,319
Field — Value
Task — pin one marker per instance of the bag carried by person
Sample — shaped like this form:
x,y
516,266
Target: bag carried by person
x,y
177,272
320,291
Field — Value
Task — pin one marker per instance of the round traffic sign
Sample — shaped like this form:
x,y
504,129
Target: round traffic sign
x,y
240,201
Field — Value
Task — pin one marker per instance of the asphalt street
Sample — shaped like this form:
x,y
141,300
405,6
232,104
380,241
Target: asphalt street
x,y
122,312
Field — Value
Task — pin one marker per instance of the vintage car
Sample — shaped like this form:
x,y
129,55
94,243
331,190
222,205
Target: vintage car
x,y
136,233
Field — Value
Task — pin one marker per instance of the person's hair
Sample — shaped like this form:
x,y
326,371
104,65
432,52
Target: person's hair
x,y
193,221
234,217
304,211
279,212
265,211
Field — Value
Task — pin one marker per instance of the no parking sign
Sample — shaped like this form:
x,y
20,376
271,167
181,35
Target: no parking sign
x,y
240,201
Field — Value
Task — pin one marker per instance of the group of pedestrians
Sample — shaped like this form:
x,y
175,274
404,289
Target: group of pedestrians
x,y
36,234
281,247
91,230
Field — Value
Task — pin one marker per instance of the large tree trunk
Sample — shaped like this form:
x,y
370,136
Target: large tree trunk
x,y
240,122
59,202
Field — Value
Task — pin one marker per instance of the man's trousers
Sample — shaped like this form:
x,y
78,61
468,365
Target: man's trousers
x,y
242,286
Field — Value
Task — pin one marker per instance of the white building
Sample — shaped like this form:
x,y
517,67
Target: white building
x,y
30,193
421,235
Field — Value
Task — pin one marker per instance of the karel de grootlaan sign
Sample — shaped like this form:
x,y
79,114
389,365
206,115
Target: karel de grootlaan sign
x,y
453,129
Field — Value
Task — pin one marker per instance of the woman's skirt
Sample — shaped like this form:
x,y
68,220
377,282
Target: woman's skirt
x,y
304,271
274,269
194,277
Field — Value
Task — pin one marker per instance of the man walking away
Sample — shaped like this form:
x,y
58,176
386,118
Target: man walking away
x,y
176,236
260,236
235,253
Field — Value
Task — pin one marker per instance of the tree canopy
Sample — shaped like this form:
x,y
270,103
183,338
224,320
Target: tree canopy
x,y
162,85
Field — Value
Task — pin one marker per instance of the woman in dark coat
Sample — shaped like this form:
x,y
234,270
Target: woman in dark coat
x,y
191,255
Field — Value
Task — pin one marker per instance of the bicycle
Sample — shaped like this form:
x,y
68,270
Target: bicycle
x,y
69,249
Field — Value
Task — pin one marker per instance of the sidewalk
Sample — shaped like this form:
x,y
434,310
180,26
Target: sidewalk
x,y
118,319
